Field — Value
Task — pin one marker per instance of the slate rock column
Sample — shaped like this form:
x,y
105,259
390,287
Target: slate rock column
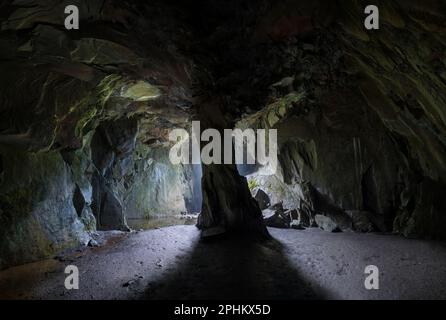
x,y
228,206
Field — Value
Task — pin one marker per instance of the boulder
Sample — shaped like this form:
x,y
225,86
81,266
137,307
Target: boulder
x,y
262,199
326,223
228,201
276,219
361,220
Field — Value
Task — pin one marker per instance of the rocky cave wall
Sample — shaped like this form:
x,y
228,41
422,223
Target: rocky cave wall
x,y
52,200
135,181
160,188
37,214
79,150
360,115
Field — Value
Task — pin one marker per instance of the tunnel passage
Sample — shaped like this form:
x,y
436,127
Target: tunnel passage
x,y
86,115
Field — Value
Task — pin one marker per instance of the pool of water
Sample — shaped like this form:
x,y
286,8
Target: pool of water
x,y
160,222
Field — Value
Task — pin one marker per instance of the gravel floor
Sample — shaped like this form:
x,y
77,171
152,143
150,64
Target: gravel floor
x,y
171,263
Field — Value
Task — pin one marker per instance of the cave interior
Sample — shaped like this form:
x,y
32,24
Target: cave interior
x,y
85,117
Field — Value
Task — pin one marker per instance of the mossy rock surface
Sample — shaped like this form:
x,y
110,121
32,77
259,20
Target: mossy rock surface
x,y
36,208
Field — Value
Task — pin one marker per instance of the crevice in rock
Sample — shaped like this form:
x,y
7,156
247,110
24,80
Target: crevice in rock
x,y
78,201
368,189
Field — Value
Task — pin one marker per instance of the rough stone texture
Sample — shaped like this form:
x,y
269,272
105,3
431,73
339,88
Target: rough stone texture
x,y
293,214
227,202
276,219
86,96
37,212
160,188
262,198
304,219
423,214
326,223
362,221
360,115
111,146
133,180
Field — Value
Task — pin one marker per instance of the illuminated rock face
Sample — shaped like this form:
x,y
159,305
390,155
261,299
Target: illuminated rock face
x,y
81,116
141,91
85,115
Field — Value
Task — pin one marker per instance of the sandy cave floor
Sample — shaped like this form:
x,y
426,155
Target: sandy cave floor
x,y
172,263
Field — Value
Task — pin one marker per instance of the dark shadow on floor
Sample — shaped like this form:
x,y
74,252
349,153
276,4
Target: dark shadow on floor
x,y
236,268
